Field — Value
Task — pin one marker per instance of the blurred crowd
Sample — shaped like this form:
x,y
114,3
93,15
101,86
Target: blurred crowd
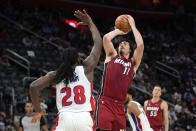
x,y
170,42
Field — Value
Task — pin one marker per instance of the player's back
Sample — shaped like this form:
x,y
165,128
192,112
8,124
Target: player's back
x,y
154,113
77,95
117,78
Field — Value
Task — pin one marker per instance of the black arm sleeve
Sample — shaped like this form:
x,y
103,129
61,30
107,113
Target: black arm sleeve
x,y
42,122
21,121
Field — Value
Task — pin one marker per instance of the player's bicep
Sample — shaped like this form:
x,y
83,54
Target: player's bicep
x,y
137,56
108,47
44,81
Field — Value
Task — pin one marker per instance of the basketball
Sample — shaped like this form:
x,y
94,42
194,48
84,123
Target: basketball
x,y
122,24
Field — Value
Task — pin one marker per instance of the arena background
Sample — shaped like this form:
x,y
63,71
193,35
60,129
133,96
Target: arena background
x,y
32,33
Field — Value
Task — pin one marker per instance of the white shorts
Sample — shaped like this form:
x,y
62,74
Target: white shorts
x,y
71,121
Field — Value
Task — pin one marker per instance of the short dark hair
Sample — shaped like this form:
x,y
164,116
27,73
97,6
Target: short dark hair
x,y
120,39
131,91
157,85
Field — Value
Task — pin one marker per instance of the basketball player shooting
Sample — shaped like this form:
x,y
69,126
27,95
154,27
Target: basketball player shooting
x,y
154,109
119,69
73,82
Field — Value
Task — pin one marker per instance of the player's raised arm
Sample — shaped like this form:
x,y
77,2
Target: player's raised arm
x,y
92,60
39,84
138,53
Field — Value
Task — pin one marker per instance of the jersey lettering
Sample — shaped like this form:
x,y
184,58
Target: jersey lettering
x,y
153,113
126,71
79,97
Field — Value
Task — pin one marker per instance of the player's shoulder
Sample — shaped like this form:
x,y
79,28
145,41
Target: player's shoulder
x,y
51,73
133,104
164,103
146,102
22,117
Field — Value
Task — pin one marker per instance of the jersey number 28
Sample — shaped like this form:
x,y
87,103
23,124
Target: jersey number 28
x,y
79,97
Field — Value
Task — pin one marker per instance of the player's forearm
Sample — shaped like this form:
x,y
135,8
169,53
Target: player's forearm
x,y
34,93
96,38
138,38
166,125
109,36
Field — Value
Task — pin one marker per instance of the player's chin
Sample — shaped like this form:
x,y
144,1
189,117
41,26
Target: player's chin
x,y
121,52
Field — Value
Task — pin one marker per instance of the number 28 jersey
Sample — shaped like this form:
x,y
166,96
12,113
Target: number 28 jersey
x,y
77,95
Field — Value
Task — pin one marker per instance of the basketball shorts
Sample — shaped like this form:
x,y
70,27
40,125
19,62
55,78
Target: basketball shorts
x,y
110,115
72,121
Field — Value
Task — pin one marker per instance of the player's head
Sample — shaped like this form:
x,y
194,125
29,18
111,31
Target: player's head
x,y
70,59
156,91
125,47
130,94
28,107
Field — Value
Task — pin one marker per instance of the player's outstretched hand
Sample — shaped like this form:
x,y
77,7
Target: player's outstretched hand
x,y
84,17
38,116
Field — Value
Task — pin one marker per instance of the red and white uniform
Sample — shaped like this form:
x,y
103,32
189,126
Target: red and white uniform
x,y
74,103
117,78
139,123
154,115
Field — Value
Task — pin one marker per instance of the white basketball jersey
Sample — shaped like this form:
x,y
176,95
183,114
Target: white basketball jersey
x,y
135,121
77,95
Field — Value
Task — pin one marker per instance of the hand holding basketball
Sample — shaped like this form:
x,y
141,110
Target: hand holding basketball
x,y
122,23
130,20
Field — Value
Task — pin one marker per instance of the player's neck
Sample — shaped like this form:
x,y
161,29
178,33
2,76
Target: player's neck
x,y
126,56
30,114
155,99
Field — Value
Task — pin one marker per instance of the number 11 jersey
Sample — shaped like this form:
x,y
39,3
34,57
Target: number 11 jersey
x,y
77,95
117,78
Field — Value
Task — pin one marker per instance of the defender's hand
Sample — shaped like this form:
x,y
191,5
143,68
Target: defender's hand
x,y
84,17
38,116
